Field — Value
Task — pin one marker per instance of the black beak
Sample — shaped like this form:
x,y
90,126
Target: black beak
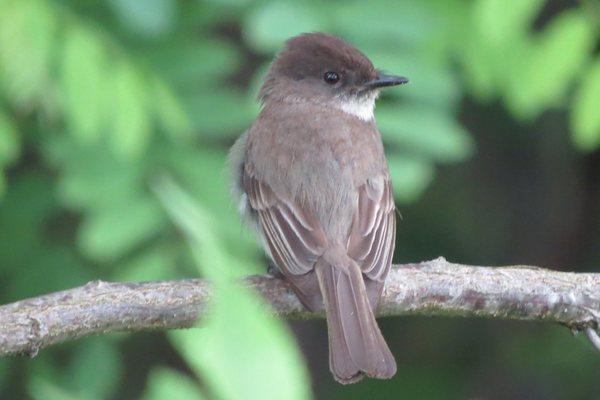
x,y
386,80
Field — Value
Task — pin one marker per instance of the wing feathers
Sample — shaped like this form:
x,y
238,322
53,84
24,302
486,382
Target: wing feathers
x,y
296,238
372,237
290,234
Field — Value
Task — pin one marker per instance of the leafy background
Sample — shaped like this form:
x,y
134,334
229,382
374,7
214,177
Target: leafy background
x,y
115,120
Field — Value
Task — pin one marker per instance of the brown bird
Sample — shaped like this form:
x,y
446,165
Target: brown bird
x,y
311,176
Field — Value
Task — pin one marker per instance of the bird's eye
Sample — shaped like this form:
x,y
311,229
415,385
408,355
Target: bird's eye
x,y
331,77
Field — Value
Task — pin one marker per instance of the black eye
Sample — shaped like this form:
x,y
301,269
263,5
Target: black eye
x,y
331,77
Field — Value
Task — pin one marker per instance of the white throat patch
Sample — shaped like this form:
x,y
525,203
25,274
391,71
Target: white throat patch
x,y
363,109
359,107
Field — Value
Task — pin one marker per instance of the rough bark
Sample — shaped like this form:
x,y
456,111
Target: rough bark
x,y
435,287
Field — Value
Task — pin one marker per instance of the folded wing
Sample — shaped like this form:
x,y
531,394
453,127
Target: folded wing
x,y
373,233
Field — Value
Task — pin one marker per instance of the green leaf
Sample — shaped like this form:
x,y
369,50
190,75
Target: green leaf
x,y
93,177
424,131
44,389
150,17
225,112
109,233
155,264
478,66
21,233
131,129
585,116
203,173
85,83
548,68
268,26
95,369
410,177
3,183
494,42
169,111
242,351
48,269
44,377
9,141
164,383
229,3
392,24
500,22
188,63
200,229
27,34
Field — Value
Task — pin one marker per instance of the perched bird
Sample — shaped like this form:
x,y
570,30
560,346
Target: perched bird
x,y
311,176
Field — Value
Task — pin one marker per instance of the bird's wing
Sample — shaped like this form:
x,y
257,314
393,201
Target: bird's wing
x,y
293,236
373,232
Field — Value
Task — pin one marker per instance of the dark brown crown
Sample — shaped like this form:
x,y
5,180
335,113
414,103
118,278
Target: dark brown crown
x,y
310,55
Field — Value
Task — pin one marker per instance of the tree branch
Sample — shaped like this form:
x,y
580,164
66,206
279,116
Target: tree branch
x,y
435,287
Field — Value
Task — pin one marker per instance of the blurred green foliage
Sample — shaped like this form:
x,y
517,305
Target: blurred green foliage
x,y
100,100
238,336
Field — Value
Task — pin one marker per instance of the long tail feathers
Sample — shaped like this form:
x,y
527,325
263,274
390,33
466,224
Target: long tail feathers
x,y
356,346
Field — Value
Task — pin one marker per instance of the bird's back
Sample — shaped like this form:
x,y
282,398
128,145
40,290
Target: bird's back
x,y
307,156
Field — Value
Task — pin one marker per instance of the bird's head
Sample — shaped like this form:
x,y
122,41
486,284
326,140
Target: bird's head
x,y
326,70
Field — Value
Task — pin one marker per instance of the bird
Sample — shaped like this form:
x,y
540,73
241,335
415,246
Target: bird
x,y
311,177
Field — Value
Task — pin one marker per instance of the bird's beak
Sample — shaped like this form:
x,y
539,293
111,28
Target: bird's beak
x,y
384,80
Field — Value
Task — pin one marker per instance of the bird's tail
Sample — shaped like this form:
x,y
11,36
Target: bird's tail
x,y
356,346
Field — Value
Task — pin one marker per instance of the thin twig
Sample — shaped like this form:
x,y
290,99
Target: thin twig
x,y
435,287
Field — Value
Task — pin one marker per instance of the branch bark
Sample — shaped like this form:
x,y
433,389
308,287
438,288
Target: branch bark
x,y
435,287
